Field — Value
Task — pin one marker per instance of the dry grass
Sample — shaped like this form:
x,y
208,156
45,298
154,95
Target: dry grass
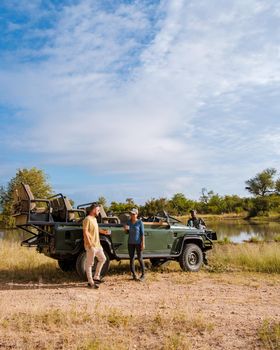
x,y
21,264
166,312
261,257
99,328
269,335
18,264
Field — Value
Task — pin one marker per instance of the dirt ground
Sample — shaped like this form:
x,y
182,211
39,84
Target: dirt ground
x,y
217,311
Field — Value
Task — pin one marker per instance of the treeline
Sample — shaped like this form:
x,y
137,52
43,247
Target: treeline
x,y
264,188
214,204
180,205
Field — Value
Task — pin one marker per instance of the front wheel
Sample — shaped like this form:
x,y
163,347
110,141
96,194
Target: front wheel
x,y
191,258
81,266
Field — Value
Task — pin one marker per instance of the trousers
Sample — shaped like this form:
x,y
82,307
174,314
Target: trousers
x,y
91,253
131,252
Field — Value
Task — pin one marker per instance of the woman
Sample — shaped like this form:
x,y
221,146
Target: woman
x,y
136,242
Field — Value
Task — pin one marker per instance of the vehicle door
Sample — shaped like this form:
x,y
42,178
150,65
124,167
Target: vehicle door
x,y
158,239
119,239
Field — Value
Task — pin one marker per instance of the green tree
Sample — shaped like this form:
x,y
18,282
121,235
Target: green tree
x,y
102,200
202,205
180,205
277,186
35,178
154,206
261,206
215,204
263,183
119,207
130,201
233,204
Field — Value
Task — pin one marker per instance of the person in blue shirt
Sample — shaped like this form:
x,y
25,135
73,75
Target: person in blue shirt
x,y
136,242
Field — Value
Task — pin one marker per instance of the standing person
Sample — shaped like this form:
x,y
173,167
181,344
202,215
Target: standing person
x,y
136,242
93,246
194,221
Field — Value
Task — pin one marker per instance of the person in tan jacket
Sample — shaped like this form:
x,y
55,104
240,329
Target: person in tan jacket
x,y
93,246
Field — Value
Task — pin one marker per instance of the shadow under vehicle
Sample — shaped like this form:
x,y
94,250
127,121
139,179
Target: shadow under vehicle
x,y
56,231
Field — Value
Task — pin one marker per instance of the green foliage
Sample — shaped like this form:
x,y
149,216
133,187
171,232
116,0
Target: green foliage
x,y
263,186
266,191
119,207
180,205
277,186
225,240
102,200
262,183
260,206
35,178
233,204
154,206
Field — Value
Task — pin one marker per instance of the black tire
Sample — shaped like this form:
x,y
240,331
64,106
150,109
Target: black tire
x,y
81,266
191,258
67,265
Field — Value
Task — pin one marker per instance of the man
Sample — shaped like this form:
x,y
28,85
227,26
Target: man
x,y
136,242
93,246
194,221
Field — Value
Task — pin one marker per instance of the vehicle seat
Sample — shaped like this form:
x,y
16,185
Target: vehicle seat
x,y
104,219
27,209
63,210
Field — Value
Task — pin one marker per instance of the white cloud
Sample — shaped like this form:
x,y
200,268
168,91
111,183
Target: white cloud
x,y
116,98
271,140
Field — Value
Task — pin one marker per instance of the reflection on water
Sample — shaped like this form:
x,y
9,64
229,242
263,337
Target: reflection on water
x,y
239,230
236,230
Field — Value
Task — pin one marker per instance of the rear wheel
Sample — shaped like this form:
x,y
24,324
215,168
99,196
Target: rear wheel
x,y
81,265
67,265
191,258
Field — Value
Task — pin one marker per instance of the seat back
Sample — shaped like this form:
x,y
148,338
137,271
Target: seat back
x,y
25,197
103,218
70,212
102,212
25,210
63,210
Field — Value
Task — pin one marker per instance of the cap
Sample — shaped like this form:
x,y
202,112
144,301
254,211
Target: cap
x,y
134,211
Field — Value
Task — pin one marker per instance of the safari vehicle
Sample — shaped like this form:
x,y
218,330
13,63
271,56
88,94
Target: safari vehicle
x,y
56,231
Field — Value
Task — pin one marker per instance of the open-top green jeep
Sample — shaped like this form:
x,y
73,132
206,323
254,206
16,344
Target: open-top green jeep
x,y
56,231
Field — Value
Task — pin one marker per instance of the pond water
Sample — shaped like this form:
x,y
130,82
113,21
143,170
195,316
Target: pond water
x,y
240,230
236,230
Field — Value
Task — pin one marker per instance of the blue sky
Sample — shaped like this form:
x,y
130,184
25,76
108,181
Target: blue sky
x,y
140,99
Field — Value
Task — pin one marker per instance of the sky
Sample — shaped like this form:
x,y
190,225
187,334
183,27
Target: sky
x,y
140,99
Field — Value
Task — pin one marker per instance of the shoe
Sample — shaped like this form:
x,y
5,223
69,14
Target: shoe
x,y
135,278
98,281
93,285
142,278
